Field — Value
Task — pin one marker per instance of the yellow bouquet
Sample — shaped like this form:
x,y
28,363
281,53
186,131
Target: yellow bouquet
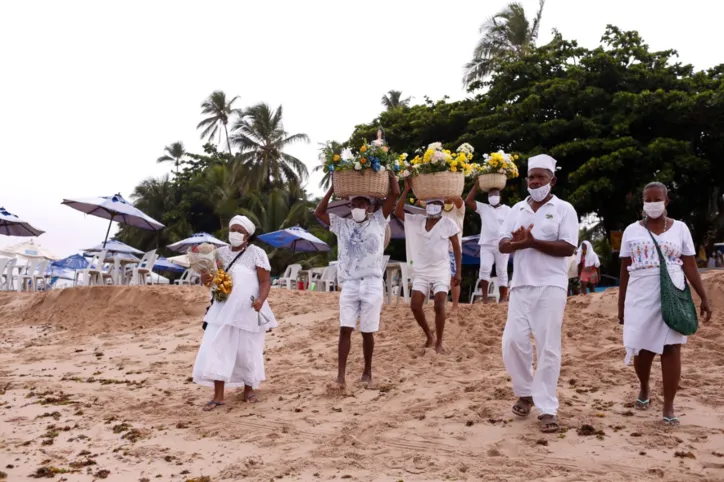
x,y
221,285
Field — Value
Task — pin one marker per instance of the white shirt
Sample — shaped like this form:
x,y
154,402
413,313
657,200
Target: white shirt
x,y
491,220
360,246
430,248
636,244
457,215
554,221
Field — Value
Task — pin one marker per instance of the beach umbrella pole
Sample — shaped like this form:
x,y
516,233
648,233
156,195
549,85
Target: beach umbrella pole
x,y
108,231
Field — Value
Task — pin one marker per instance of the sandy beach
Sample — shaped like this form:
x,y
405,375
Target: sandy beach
x,y
95,384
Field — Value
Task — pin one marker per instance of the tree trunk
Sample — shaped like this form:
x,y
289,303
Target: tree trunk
x,y
228,144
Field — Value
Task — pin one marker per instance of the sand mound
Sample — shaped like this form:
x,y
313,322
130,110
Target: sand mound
x,y
104,308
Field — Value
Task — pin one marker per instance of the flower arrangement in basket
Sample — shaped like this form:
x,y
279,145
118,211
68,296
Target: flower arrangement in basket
x,y
363,172
204,260
447,169
495,170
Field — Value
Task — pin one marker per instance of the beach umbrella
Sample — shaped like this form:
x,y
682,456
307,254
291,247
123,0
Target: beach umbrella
x,y
74,262
29,249
397,227
114,246
162,264
471,247
194,240
296,239
11,225
114,208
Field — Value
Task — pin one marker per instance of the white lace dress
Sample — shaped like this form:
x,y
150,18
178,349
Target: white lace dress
x,y
232,349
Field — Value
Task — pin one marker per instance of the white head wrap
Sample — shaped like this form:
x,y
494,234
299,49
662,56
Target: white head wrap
x,y
244,222
591,256
542,161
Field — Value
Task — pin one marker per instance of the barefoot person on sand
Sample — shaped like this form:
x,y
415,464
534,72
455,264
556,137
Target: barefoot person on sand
x,y
543,233
360,245
492,216
232,349
645,333
430,237
454,209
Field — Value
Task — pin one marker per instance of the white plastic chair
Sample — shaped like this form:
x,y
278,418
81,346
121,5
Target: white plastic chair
x,y
7,265
328,281
493,291
26,274
113,272
92,274
289,280
187,278
139,274
39,275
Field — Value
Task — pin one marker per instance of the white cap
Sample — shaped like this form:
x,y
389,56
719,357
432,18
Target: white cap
x,y
542,161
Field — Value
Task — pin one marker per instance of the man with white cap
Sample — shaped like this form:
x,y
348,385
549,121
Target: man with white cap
x,y
360,249
492,217
430,236
543,233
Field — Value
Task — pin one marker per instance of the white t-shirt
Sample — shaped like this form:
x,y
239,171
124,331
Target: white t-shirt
x,y
457,215
491,220
430,249
636,244
360,246
554,221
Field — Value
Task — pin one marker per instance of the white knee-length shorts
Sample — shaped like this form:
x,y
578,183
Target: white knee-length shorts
x,y
361,299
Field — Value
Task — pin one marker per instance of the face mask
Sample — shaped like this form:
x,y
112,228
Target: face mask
x,y
236,239
494,200
655,210
433,210
359,214
539,194
448,207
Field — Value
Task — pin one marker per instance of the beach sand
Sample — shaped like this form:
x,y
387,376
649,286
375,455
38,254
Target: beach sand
x,y
95,382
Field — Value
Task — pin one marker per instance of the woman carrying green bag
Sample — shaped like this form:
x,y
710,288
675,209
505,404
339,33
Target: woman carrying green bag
x,y
655,307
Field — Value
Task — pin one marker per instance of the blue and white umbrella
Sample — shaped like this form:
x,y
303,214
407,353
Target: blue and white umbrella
x,y
114,246
471,247
296,239
194,240
11,225
74,262
114,208
162,264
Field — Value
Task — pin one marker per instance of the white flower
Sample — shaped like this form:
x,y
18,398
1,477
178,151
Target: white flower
x,y
466,148
382,168
357,166
378,142
405,173
347,154
435,145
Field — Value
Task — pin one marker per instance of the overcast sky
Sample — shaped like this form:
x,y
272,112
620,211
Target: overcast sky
x,y
91,92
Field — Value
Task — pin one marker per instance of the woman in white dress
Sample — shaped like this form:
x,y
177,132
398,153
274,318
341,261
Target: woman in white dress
x,y
645,334
588,267
232,349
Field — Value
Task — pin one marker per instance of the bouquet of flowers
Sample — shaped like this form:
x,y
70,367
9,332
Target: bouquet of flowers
x,y
498,163
376,156
204,260
437,159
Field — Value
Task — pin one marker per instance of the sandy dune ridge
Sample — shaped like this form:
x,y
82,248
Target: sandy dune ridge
x,y
94,384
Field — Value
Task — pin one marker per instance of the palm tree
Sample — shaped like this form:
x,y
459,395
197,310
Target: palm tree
x,y
508,32
328,148
218,111
261,137
393,100
174,153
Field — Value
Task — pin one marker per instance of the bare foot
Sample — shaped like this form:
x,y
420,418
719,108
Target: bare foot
x,y
440,349
430,342
366,379
340,384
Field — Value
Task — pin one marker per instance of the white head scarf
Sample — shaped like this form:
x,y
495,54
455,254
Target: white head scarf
x,y
244,222
542,161
591,256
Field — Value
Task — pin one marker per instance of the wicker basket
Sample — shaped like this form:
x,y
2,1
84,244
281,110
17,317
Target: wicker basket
x,y
495,180
352,183
438,185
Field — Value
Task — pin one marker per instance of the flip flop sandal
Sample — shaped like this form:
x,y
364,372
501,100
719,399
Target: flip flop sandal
x,y
672,421
642,404
522,410
550,425
212,405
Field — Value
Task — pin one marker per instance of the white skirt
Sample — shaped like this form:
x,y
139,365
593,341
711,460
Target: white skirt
x,y
231,355
644,327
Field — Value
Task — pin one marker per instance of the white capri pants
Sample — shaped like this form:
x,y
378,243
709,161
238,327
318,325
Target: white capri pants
x,y
490,255
361,299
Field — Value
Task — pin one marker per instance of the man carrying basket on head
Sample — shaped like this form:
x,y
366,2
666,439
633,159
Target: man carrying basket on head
x,y
360,245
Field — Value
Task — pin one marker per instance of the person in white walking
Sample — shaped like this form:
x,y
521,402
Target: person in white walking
x,y
542,230
492,217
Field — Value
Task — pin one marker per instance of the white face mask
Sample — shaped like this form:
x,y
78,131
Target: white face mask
x,y
236,239
539,194
655,210
433,210
494,200
359,214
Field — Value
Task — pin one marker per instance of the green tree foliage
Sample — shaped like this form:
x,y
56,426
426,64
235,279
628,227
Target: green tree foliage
x,y
218,112
173,153
393,100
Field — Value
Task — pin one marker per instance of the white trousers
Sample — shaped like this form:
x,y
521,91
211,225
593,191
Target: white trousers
x,y
490,255
536,310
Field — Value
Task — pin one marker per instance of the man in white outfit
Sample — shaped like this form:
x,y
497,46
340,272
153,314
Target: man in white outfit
x,y
492,217
360,247
543,233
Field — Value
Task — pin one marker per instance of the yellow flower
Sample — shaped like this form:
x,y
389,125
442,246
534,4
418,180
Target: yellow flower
x,y
453,169
336,158
412,200
363,149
